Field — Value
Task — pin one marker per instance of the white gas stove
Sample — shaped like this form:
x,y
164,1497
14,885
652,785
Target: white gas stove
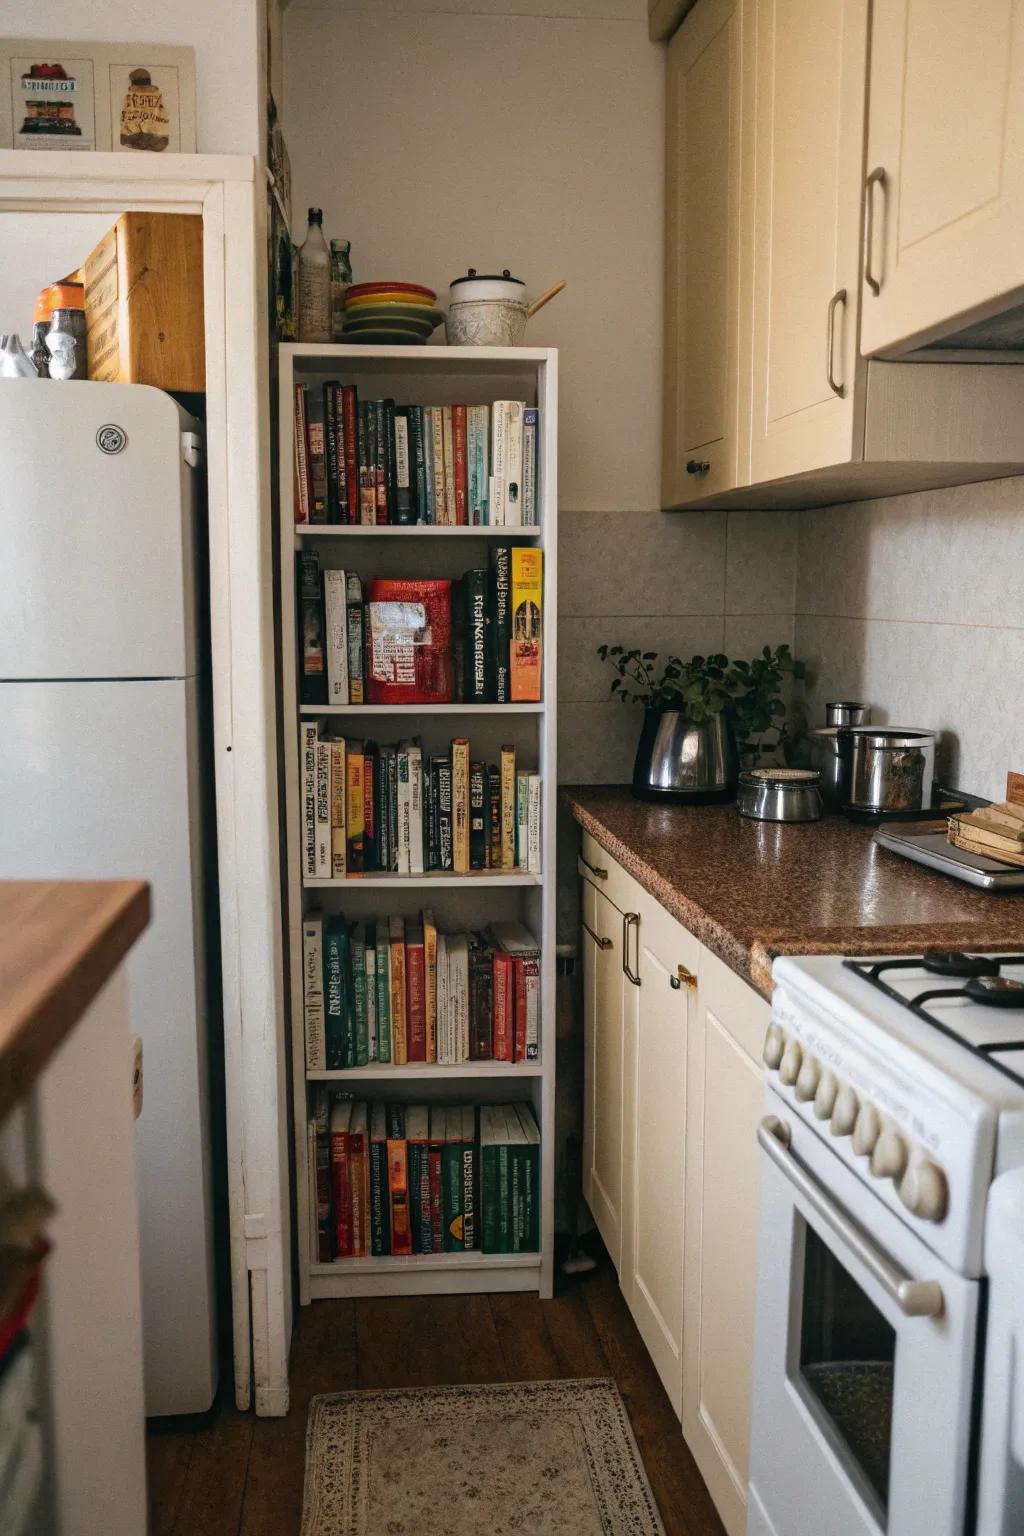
x,y
894,1100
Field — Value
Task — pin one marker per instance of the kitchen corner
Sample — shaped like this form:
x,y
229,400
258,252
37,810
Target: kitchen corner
x,y
751,891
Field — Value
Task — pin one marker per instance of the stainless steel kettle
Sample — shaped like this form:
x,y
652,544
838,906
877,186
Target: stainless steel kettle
x,y
679,761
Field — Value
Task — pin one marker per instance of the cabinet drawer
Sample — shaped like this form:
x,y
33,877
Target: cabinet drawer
x,y
744,1012
608,877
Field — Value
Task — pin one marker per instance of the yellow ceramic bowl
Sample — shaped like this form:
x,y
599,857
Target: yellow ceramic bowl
x,y
394,296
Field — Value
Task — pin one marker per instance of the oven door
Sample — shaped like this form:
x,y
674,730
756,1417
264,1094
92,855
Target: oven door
x,y
864,1357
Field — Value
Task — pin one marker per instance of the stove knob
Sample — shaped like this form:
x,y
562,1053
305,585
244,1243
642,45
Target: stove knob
x,y
844,1115
789,1066
924,1190
889,1157
774,1045
825,1097
867,1129
807,1080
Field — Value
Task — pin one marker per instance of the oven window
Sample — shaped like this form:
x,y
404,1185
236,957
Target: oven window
x,y
847,1359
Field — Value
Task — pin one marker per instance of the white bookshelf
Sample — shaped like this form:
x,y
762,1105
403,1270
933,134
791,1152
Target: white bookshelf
x,y
428,376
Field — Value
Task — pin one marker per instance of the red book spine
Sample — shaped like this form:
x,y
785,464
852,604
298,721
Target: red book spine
x,y
519,1007
396,657
459,440
501,1042
342,1195
357,1201
398,1191
434,1156
351,431
417,1002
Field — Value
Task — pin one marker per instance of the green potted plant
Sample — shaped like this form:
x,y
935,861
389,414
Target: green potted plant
x,y
699,717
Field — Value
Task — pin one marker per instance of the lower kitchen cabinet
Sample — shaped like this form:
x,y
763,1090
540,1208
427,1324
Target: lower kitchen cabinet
x,y
724,1092
662,956
673,1088
608,1001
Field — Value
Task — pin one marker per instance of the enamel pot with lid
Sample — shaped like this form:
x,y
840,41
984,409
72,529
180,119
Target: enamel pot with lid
x,y
491,310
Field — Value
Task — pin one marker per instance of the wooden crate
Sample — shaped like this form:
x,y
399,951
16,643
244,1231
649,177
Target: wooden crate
x,y
144,302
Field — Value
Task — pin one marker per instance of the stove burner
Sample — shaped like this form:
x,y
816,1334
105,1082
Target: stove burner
x,y
952,962
995,991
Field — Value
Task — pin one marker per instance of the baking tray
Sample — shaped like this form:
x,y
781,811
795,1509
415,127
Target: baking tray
x,y
932,848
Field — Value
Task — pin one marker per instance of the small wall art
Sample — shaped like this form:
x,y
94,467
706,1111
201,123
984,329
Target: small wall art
x,y
132,98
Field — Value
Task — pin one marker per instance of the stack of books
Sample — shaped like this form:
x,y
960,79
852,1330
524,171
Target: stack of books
x,y
395,809
422,641
393,990
994,831
401,1179
375,462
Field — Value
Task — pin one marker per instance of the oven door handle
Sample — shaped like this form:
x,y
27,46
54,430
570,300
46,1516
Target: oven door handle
x,y
915,1298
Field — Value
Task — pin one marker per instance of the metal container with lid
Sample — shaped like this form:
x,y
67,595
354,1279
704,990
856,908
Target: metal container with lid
x,y
891,767
779,794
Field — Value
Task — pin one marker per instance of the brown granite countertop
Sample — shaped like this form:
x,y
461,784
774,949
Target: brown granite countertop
x,y
60,940
751,890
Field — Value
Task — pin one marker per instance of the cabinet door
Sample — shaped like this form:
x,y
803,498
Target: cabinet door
x,y
603,982
722,1188
809,84
702,209
946,149
654,1136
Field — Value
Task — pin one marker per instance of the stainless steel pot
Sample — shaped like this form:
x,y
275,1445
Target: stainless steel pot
x,y
891,767
677,760
779,794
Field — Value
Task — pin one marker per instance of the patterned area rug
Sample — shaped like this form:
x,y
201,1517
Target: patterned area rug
x,y
543,1458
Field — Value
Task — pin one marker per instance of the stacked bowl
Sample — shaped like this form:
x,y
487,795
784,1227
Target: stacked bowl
x,y
389,314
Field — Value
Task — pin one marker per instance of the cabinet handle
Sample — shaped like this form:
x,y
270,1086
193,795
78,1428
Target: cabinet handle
x,y
877,178
683,978
697,466
601,943
834,302
630,920
599,874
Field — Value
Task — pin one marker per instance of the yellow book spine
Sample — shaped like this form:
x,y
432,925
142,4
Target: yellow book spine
x,y
354,779
527,624
508,807
399,1022
460,806
339,825
430,983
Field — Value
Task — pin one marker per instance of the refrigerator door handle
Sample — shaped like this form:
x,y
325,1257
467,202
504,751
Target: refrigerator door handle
x,y
192,449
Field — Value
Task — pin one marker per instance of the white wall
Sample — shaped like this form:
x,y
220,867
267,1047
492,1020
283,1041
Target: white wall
x,y
227,36
436,142
36,249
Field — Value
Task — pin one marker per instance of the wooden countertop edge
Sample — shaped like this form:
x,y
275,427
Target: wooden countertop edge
x,y
60,942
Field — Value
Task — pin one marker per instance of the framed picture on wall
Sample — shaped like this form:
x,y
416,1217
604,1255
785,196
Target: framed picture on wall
x,y
126,97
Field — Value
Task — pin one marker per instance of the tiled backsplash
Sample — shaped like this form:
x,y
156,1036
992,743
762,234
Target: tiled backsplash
x,y
916,605
679,582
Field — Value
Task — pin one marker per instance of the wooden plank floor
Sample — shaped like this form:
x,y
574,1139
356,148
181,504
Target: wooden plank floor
x,y
242,1476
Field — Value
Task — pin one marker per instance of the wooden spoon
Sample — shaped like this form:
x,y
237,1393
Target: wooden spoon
x,y
544,299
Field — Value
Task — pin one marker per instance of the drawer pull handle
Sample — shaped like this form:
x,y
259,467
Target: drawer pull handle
x,y
601,943
595,870
697,466
631,920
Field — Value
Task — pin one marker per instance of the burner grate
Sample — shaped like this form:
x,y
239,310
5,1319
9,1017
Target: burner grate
x,y
982,985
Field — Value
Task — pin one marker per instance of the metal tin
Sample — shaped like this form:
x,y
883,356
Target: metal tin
x,y
847,714
891,767
779,794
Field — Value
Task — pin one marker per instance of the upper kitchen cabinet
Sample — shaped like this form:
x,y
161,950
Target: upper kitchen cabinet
x,y
700,441
810,63
945,184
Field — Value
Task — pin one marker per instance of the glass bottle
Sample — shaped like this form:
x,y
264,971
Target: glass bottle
x,y
341,277
314,282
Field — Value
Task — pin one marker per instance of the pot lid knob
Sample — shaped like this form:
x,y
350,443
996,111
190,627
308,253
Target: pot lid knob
x,y
471,272
505,272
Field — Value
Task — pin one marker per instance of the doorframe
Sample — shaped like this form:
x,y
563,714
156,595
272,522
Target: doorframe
x,y
226,192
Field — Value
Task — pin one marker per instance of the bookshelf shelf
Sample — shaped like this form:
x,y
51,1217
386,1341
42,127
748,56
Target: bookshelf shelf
x,y
314,711
433,878
475,1071
413,531
427,376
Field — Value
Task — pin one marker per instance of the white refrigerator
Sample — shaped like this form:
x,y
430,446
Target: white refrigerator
x,y
101,775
